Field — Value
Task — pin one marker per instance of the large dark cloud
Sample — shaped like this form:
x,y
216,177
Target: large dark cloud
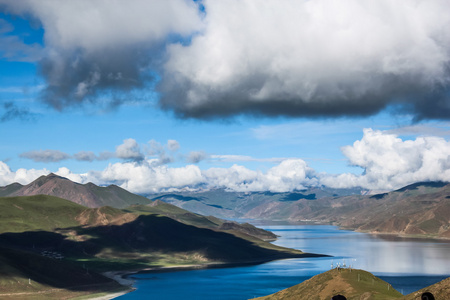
x,y
76,78
322,103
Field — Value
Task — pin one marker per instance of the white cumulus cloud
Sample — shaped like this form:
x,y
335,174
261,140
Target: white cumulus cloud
x,y
310,58
390,162
22,176
289,175
129,150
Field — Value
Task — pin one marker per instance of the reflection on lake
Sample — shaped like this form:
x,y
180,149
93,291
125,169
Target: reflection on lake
x,y
408,264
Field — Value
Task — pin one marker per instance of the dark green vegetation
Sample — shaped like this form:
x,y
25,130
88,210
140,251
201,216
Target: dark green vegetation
x,y
354,285
419,210
54,248
29,275
89,194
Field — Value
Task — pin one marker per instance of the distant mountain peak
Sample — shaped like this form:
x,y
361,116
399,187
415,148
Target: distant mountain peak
x,y
46,178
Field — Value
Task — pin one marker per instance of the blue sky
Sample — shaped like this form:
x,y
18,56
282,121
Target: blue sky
x,y
228,95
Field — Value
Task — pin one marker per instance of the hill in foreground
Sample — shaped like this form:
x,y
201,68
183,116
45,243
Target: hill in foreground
x,y
354,285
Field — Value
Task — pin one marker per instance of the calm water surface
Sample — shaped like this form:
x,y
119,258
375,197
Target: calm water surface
x,y
408,264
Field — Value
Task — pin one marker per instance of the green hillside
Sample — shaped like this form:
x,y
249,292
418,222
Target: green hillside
x,y
18,214
10,189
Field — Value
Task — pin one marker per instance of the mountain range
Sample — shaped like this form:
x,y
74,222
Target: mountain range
x,y
246,205
420,209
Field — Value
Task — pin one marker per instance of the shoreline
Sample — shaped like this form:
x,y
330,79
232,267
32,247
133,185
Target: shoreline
x,y
313,222
120,276
401,235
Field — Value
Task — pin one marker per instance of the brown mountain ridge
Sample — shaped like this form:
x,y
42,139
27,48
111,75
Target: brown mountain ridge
x,y
89,195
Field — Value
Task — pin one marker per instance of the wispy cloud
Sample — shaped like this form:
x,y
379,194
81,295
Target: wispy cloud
x,y
10,111
12,48
129,150
194,157
45,155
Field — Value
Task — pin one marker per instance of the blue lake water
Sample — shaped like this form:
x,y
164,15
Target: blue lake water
x,y
407,264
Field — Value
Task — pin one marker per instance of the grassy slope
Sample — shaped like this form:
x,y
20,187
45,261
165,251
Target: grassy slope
x,y
9,189
115,196
18,214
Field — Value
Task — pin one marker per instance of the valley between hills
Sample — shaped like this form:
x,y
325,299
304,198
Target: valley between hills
x,y
59,238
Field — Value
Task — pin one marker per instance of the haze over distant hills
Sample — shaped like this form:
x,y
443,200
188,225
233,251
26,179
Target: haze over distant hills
x,y
242,205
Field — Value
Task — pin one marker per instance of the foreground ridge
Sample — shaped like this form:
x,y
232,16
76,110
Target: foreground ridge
x,y
354,284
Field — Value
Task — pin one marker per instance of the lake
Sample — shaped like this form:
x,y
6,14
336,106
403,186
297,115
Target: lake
x,y
407,264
